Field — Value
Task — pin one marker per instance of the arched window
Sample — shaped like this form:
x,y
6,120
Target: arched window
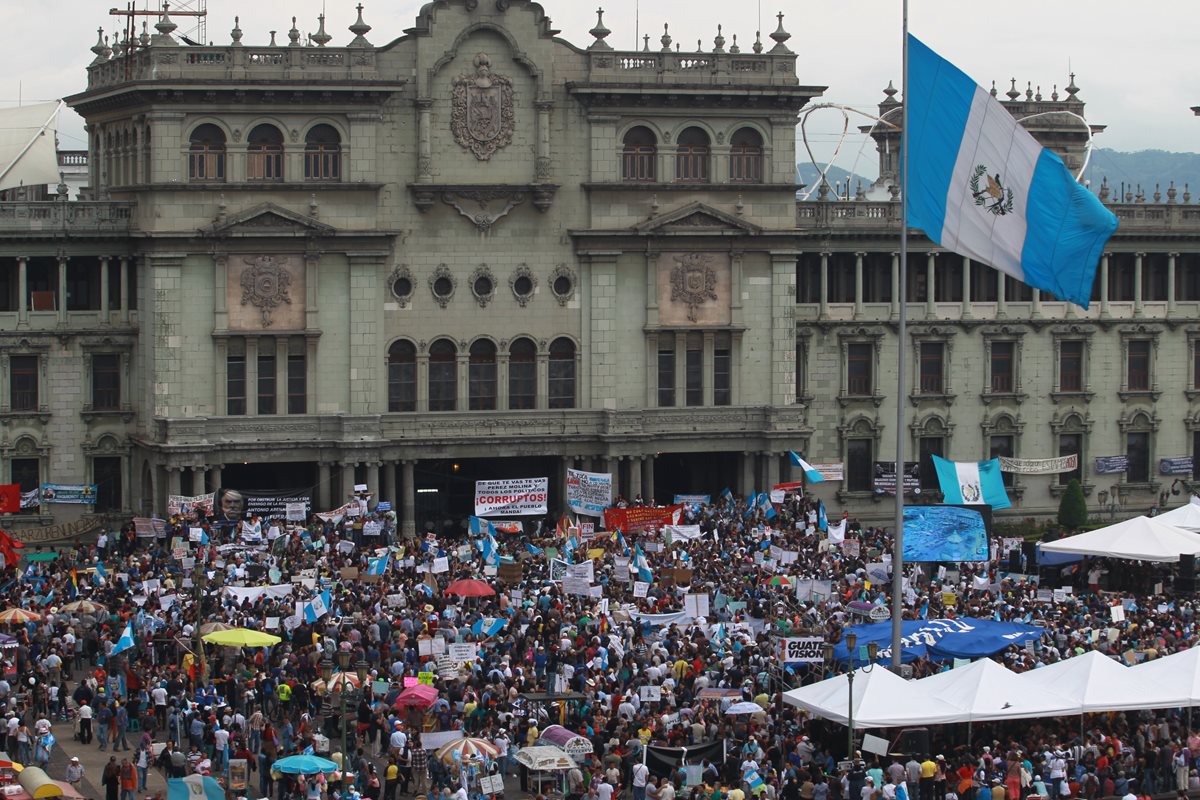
x,y
264,154
402,377
640,155
1072,440
562,373
1139,444
206,154
691,156
323,154
481,376
443,376
860,456
930,443
746,156
522,375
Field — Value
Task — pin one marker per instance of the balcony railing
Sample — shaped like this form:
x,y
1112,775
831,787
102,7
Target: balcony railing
x,y
641,66
80,218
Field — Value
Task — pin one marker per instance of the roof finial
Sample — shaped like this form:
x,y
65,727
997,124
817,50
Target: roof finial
x,y
1029,90
100,47
144,39
321,37
165,27
666,37
1104,191
294,35
1054,94
1012,93
360,30
1157,194
1072,89
780,36
719,42
1038,96
993,91
646,42
1171,193
758,45
236,33
733,48
600,31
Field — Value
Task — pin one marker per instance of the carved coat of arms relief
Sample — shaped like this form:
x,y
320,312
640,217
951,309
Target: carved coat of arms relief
x,y
482,115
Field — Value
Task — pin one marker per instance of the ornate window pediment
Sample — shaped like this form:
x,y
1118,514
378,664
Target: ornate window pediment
x,y
697,218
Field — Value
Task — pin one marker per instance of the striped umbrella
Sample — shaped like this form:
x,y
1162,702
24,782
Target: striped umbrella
x,y
19,615
467,748
213,627
84,607
340,680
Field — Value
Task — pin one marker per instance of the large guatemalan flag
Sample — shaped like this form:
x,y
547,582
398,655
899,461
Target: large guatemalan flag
x,y
971,483
980,185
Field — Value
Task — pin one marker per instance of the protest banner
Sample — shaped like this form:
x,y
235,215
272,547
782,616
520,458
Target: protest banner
x,y
511,496
588,493
68,494
195,504
803,650
640,518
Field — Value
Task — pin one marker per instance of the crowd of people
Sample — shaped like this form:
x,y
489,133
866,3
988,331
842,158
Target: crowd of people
x,y
549,650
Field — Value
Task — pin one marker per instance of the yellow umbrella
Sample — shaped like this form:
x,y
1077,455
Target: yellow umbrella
x,y
241,637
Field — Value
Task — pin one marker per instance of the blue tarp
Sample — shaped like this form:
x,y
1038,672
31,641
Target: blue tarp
x,y
1045,559
940,639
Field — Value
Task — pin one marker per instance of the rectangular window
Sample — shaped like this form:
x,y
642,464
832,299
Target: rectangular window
x,y
927,448
26,473
443,385
114,284
106,382
1071,444
1002,447
297,378
23,383
1070,367
1002,367
860,470
522,383
808,278
932,368
235,378
1137,448
859,366
561,382
666,377
83,284
985,283
106,473
722,372
1138,366
481,384
266,377
694,377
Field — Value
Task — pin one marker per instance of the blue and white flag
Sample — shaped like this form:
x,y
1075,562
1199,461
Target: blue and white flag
x,y
126,641
642,565
378,566
810,473
193,787
534,549
317,607
822,519
100,576
980,185
763,503
971,483
488,627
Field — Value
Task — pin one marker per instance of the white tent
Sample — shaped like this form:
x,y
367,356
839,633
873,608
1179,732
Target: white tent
x,y
1186,517
881,700
1095,682
28,150
1137,539
986,690
1178,671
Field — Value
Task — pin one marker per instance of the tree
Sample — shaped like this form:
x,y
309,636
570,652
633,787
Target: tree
x,y
1072,509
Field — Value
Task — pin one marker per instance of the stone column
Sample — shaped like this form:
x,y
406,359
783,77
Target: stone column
x,y
706,368
1137,284
124,289
252,343
635,476
214,478
897,289
174,476
423,379
858,284
388,490
771,473
373,479
424,144
502,378
747,483
680,369
930,288
823,300
542,164
966,288
22,291
648,479
1001,296
543,379
408,500
104,298
322,498
1104,310
1036,312
1171,283
62,288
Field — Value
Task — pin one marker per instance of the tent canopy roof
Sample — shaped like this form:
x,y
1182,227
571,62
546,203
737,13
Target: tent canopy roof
x,y
1137,539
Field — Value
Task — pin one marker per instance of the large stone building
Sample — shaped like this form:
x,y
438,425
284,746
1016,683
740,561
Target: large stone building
x,y
481,251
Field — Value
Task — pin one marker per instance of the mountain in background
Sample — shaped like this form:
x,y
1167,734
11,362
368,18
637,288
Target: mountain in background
x,y
1145,168
809,173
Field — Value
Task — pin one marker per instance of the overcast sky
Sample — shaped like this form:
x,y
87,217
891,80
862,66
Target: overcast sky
x,y
1132,60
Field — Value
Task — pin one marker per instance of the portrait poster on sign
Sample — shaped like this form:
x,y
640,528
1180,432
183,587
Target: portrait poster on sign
x,y
589,493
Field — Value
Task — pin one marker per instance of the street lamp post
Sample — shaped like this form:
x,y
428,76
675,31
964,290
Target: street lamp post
x,y
327,702
851,652
200,583
343,658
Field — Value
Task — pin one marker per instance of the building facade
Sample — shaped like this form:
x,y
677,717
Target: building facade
x,y
480,251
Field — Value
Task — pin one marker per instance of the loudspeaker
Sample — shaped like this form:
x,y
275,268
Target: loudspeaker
x,y
1187,564
911,742
1186,583
1014,561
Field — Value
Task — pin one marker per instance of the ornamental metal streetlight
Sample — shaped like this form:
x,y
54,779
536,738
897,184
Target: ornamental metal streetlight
x,y
872,653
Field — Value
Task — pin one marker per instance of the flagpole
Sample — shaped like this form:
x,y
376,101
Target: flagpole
x,y
902,347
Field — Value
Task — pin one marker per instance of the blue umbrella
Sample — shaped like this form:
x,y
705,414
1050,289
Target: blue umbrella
x,y
304,765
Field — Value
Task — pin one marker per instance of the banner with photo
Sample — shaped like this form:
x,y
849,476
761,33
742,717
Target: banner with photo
x,y
640,518
885,477
199,505
1039,466
589,493
511,497
68,493
233,505
1111,465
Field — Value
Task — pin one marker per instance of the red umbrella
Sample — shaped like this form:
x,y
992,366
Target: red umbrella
x,y
419,695
469,587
